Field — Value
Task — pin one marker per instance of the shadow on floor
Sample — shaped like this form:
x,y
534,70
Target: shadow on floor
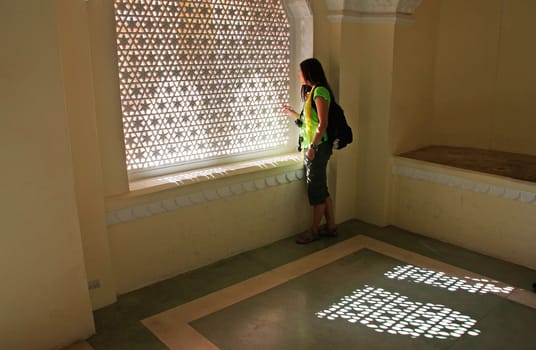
x,y
118,326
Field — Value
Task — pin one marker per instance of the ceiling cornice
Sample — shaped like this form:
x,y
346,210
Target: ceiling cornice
x,y
372,11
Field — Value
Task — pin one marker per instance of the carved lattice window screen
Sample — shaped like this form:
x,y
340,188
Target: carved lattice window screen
x,y
201,80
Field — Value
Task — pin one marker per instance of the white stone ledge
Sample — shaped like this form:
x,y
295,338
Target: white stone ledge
x,y
207,174
261,174
493,185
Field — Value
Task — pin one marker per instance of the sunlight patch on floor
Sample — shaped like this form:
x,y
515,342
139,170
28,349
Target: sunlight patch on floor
x,y
393,313
426,319
440,279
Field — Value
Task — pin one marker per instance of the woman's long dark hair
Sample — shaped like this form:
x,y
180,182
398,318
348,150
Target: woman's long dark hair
x,y
313,72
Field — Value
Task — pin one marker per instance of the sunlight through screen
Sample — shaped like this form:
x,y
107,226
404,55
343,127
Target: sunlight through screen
x,y
392,313
440,279
201,80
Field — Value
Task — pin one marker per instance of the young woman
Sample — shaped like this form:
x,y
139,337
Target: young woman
x,y
317,96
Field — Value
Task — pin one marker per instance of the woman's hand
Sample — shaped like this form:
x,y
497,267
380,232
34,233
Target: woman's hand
x,y
310,154
289,111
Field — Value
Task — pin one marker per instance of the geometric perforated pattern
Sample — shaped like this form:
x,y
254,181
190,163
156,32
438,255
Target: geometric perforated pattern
x,y
201,80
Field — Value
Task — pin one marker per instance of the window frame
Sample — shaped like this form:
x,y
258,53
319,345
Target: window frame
x,y
301,44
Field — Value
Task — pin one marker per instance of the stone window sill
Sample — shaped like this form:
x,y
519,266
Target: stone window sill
x,y
157,195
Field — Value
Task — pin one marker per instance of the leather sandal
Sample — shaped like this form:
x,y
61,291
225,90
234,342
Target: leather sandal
x,y
307,237
326,232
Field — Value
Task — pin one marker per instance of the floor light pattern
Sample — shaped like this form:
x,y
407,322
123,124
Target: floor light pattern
x,y
440,279
392,313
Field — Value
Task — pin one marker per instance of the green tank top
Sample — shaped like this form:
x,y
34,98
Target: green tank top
x,y
310,118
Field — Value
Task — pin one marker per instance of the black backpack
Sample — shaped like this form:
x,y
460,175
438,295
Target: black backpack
x,y
339,132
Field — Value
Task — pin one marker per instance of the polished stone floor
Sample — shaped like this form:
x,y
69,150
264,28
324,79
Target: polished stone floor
x,y
369,288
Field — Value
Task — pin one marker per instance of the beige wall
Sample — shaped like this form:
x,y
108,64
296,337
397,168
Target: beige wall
x,y
514,121
485,75
387,89
149,249
413,80
156,247
402,86
80,104
464,76
374,56
483,213
44,298
342,73
107,101
344,163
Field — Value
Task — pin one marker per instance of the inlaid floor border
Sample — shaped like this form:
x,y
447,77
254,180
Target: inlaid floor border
x,y
173,329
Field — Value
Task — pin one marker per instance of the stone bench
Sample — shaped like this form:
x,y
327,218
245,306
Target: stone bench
x,y
482,200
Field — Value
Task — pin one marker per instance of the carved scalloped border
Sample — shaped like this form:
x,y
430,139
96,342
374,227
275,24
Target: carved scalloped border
x,y
501,191
170,204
